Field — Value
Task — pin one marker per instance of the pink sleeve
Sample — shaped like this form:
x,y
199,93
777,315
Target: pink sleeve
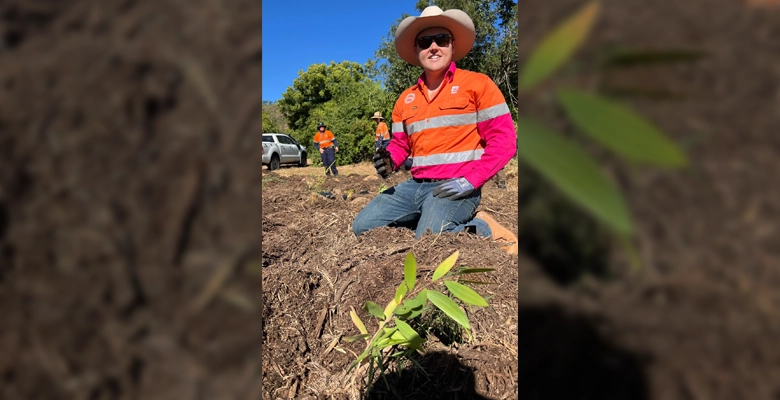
x,y
501,144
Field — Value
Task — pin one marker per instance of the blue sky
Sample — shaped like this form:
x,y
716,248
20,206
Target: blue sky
x,y
299,33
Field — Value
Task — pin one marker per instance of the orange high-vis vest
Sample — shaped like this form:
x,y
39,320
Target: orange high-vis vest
x,y
324,139
465,130
382,133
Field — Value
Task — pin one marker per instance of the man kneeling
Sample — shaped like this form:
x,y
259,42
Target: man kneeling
x,y
455,126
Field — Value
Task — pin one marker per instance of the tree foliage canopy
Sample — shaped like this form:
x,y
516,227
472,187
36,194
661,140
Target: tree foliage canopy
x,y
268,125
342,96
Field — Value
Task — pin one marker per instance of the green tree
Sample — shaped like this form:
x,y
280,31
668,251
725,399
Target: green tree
x,y
316,86
494,52
268,124
341,95
274,117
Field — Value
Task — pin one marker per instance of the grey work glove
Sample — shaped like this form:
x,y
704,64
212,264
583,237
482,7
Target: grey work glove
x,y
454,189
383,163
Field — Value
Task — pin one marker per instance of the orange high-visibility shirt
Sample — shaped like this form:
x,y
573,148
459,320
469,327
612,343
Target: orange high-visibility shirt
x,y
465,130
324,139
382,133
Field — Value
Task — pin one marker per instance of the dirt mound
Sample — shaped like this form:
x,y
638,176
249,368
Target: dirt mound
x,y
316,270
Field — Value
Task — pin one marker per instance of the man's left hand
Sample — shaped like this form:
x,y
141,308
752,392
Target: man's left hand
x,y
337,149
454,189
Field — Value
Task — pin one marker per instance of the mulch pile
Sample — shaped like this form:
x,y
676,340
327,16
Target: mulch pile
x,y
316,270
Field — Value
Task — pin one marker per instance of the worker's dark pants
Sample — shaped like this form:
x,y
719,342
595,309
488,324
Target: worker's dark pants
x,y
329,160
381,143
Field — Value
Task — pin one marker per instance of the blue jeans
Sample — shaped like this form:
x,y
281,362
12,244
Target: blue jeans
x,y
329,161
412,205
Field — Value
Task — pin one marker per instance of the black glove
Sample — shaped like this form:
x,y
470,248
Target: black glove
x,y
383,163
454,189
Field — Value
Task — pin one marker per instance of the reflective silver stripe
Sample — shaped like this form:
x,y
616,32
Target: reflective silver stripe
x,y
398,126
492,112
326,141
447,158
440,122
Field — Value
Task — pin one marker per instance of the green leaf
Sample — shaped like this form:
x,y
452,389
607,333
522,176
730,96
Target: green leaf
x,y
356,320
350,339
620,129
395,338
465,294
400,292
421,297
390,308
374,309
407,331
357,361
450,308
412,308
397,335
574,173
558,46
474,270
409,305
445,266
387,333
412,315
410,272
476,282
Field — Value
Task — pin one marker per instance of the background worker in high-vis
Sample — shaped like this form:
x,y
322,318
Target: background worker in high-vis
x,y
457,128
328,145
382,138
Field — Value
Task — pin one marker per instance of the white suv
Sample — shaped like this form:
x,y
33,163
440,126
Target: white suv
x,y
279,149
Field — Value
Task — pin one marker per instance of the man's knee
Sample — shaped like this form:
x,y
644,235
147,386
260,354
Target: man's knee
x,y
359,225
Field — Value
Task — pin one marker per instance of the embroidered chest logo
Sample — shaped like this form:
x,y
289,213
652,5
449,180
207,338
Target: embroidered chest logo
x,y
454,90
409,98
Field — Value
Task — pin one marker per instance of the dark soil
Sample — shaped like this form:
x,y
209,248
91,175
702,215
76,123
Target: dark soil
x,y
130,224
129,199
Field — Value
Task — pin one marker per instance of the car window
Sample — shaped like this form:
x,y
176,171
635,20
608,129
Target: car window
x,y
268,139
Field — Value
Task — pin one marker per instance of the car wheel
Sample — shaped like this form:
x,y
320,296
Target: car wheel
x,y
303,161
274,162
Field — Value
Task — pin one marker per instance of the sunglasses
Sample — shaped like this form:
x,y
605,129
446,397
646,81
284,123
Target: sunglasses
x,y
442,40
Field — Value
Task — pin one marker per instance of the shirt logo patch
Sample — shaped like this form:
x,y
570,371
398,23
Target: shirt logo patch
x,y
409,98
454,90
414,108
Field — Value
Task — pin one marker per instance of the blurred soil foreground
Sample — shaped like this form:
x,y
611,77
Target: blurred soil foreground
x,y
131,255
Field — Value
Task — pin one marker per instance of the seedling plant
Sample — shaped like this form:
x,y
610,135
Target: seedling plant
x,y
395,338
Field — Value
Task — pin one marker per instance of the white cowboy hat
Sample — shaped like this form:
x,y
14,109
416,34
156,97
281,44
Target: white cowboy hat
x,y
377,115
456,21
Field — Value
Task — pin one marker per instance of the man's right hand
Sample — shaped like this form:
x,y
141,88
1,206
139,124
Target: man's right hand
x,y
322,150
381,160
